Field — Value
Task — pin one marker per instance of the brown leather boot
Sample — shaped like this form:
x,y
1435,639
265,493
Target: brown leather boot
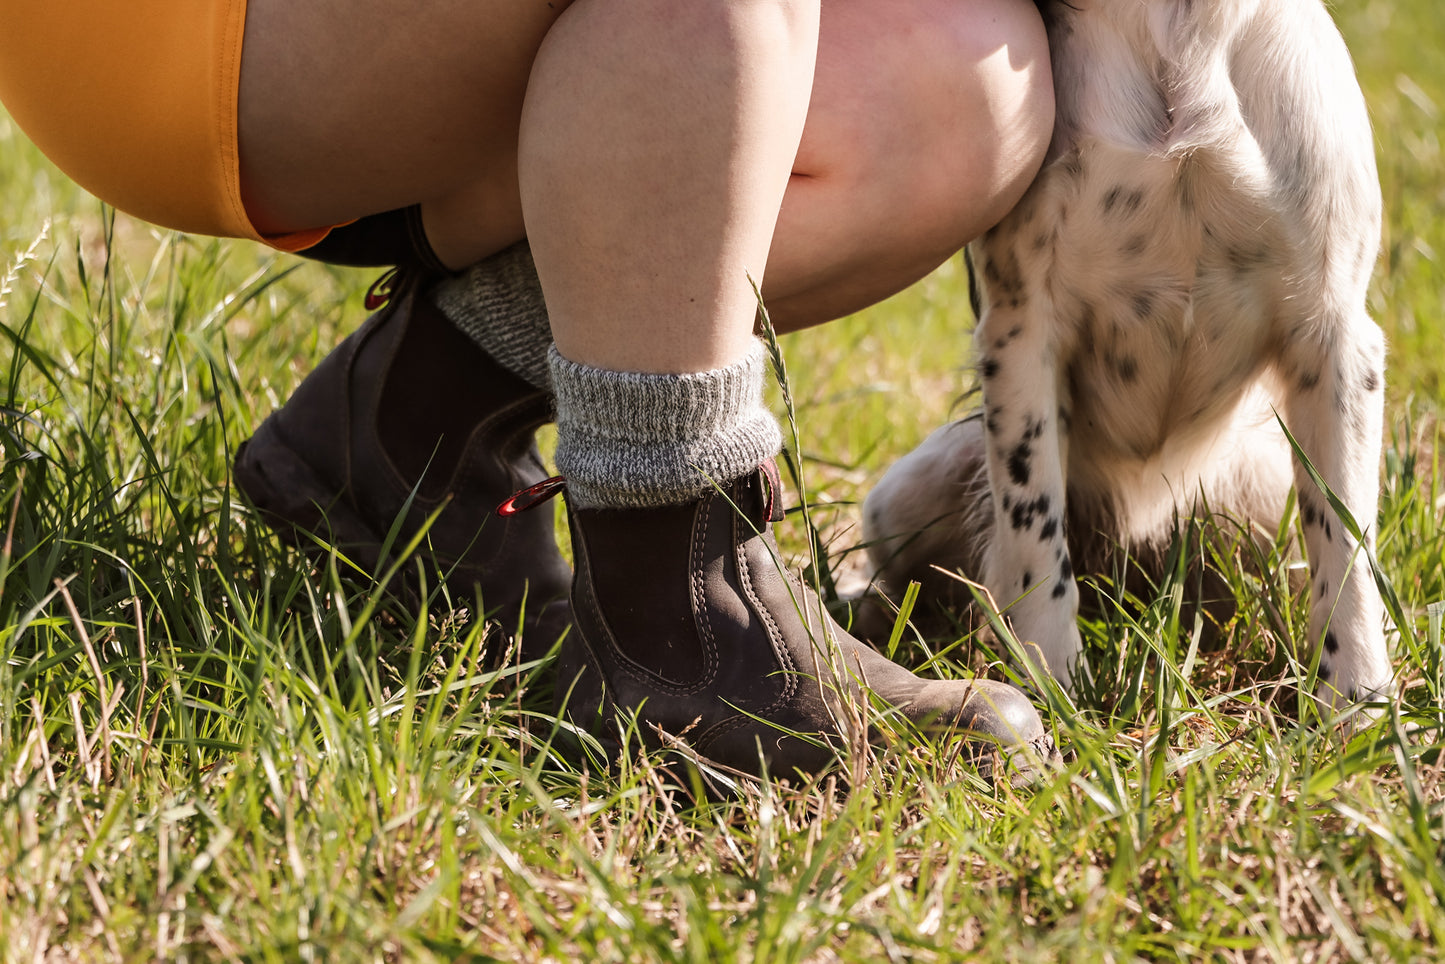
x,y
408,407
684,614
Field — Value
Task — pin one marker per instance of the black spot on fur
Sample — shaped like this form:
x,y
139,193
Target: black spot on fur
x,y
1024,513
1327,672
1028,580
1059,590
1111,198
988,367
999,231
1050,526
1347,403
1308,380
1184,188
1143,302
1332,645
1005,281
1066,568
1128,369
1007,502
1329,533
1086,325
1372,381
1019,464
1245,257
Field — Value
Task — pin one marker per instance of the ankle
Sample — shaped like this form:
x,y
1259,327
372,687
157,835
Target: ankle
x,y
438,386
498,304
629,439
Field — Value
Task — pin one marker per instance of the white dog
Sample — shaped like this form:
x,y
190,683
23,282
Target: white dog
x,y
1191,260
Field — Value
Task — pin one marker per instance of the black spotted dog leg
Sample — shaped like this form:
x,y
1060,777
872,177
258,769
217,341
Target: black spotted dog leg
x,y
1027,567
1336,410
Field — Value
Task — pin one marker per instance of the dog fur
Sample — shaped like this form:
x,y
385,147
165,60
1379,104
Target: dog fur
x,y
1191,260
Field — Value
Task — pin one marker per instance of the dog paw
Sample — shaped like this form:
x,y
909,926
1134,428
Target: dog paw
x,y
1356,705
1054,644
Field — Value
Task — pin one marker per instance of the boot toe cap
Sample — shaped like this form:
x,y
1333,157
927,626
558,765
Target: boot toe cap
x,y
994,715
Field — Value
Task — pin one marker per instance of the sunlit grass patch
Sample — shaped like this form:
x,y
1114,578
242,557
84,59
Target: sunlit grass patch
x,y
212,747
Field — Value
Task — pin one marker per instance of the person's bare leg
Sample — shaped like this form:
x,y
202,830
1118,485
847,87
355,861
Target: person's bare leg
x,y
353,107
657,140
898,167
906,161
682,616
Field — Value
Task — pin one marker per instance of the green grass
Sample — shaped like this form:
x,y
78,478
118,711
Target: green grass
x,y
209,750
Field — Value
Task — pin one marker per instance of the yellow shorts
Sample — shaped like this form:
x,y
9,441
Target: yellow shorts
x,y
136,101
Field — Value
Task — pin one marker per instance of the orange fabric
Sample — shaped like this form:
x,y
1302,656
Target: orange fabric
x,y
136,101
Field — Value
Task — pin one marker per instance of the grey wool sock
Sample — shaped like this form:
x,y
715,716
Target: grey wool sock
x,y
633,440
498,303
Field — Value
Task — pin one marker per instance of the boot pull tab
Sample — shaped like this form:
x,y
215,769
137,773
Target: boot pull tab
x,y
532,496
382,289
773,508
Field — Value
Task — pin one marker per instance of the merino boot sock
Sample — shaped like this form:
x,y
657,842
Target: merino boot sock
x,y
629,439
498,304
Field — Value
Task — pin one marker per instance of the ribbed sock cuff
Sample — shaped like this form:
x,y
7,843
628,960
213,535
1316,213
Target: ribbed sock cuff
x,y
632,440
498,304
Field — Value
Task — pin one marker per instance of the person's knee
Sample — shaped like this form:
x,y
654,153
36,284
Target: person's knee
x,y
977,113
1015,116
903,164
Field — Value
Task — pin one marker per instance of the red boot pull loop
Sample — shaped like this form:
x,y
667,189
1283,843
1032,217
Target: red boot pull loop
x,y
773,511
382,289
532,496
